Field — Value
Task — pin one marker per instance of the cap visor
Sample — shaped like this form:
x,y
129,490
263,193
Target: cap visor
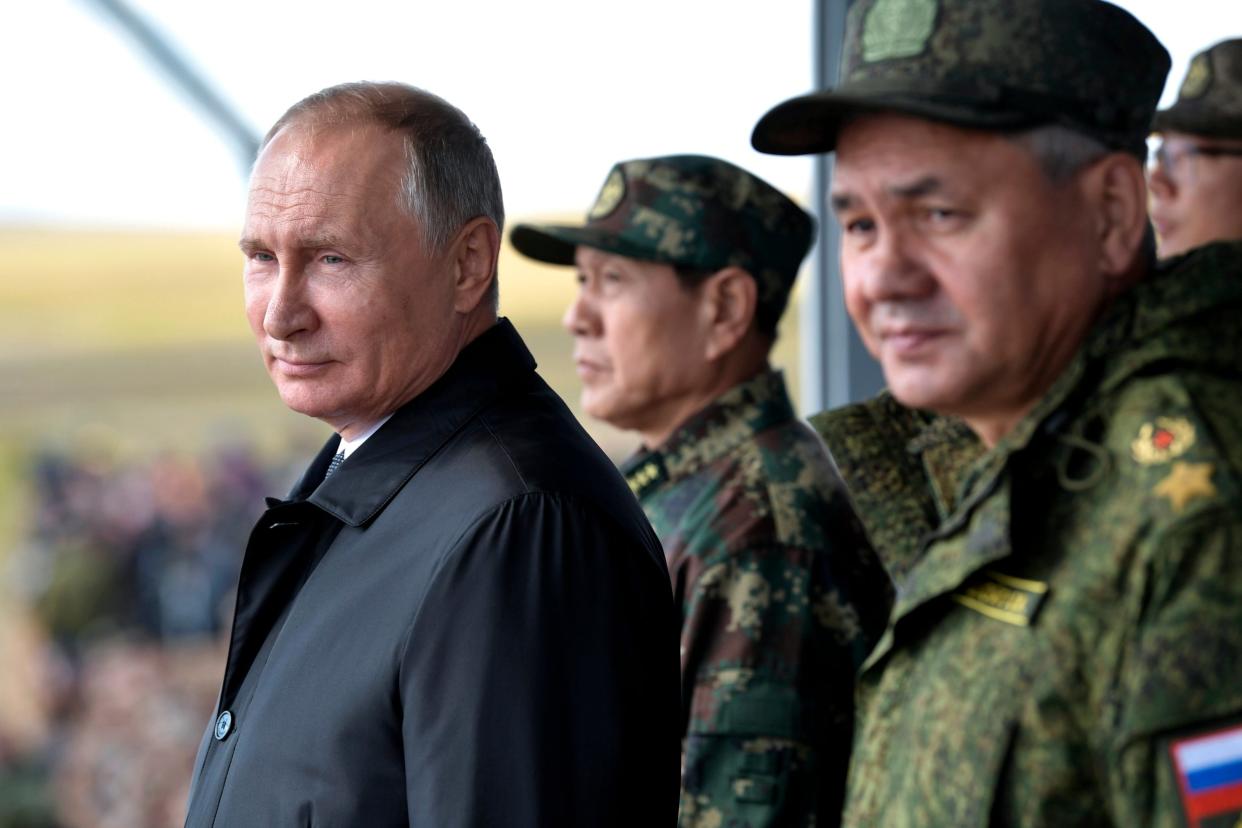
x,y
556,243
1196,121
551,243
810,123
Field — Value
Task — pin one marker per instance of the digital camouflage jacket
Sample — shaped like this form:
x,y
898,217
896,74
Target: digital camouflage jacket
x,y
1066,644
781,599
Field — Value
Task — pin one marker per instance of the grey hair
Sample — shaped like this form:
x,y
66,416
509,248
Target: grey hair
x,y
1060,150
451,177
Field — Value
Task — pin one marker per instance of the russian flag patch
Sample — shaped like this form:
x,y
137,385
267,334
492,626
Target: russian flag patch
x,y
1208,767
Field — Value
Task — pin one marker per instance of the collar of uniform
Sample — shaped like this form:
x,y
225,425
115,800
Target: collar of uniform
x,y
896,463
359,489
644,471
1159,319
1138,330
731,420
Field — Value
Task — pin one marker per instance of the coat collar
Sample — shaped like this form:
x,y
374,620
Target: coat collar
x,y
359,490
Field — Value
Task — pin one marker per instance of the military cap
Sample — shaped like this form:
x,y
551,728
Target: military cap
x,y
689,211
987,64
1209,102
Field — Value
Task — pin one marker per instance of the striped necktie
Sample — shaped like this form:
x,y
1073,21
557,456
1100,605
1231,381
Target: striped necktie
x,y
337,460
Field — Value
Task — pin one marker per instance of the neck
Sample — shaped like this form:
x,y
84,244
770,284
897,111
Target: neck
x,y
992,429
658,433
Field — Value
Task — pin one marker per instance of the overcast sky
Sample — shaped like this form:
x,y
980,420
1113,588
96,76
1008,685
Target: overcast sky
x,y
94,134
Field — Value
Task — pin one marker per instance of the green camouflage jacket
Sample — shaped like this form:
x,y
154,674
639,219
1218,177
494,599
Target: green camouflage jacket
x,y
1066,644
781,599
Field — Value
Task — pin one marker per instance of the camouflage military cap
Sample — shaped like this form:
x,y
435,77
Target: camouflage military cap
x,y
689,211
1209,102
986,64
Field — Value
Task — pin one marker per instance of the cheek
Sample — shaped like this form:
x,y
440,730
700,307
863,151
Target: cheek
x,y
644,345
629,341
256,309
856,303
1222,200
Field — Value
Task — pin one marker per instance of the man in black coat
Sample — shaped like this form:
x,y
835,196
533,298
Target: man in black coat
x,y
460,616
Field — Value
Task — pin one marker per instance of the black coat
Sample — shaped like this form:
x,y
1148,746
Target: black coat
x,y
469,623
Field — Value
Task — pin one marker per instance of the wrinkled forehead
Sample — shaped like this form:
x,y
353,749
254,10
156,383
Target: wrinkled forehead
x,y
331,160
343,178
905,155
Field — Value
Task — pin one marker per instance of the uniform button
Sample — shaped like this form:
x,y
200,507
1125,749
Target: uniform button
x,y
224,725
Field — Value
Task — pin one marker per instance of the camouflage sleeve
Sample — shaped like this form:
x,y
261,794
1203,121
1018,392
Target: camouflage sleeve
x,y
770,642
1176,758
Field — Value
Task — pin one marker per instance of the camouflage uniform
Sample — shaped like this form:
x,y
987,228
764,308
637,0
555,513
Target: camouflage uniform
x,y
781,598
780,593
1209,101
1066,644
1069,603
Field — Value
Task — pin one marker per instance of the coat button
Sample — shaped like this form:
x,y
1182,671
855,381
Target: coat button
x,y
224,725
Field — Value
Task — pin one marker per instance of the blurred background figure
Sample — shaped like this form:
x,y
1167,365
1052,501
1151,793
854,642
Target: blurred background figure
x,y
1196,171
127,566
685,265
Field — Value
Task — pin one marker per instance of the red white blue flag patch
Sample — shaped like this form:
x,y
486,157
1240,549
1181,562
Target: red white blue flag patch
x,y
1208,767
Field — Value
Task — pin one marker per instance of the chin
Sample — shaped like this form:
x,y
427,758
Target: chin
x,y
605,411
598,412
1171,247
915,394
310,405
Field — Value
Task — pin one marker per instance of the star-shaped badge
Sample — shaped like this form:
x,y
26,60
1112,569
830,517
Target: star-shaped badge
x,y
1185,482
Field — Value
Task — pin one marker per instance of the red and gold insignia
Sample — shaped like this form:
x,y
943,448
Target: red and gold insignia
x,y
1162,440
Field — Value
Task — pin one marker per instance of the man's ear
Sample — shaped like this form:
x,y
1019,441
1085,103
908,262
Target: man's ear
x,y
1117,188
730,299
474,254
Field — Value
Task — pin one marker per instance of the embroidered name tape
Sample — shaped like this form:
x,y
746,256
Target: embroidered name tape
x,y
1208,767
1003,597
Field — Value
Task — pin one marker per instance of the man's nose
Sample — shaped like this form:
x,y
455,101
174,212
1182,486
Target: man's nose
x,y
893,271
581,317
289,311
1160,182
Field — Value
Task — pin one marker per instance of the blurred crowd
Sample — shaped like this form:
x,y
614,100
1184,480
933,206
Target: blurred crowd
x,y
113,650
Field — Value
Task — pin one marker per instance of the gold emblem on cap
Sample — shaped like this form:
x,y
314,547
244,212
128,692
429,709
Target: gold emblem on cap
x,y
609,197
1198,76
1162,440
897,29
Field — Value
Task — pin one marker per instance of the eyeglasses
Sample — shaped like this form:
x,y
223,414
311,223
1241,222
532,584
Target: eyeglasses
x,y
1170,157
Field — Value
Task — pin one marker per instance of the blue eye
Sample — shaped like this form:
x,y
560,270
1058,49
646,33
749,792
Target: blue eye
x,y
330,259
